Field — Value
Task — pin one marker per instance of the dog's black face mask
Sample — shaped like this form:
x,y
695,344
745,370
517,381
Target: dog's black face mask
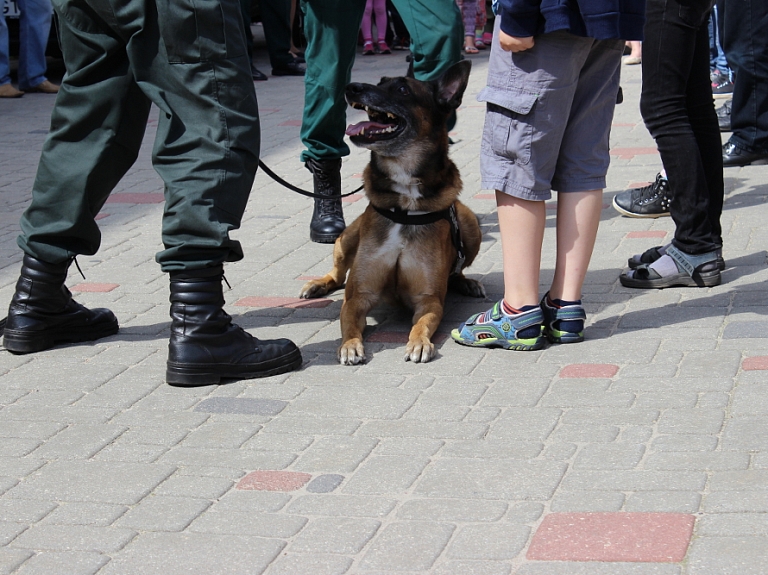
x,y
403,112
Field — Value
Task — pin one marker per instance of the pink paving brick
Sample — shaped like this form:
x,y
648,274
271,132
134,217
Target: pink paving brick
x,y
484,196
758,362
352,199
400,337
273,481
101,216
290,302
629,153
290,123
127,198
93,287
633,185
586,370
631,537
646,234
308,278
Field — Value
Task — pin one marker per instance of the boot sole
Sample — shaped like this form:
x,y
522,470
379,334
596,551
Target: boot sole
x,y
629,214
323,238
21,342
193,375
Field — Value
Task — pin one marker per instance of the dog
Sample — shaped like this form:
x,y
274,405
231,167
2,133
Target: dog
x,y
415,238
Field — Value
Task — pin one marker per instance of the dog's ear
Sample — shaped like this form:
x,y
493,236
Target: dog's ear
x,y
451,85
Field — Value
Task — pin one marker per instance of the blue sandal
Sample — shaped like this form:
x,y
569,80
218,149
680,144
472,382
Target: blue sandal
x,y
554,318
493,328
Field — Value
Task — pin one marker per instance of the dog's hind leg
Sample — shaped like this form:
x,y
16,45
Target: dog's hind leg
x,y
344,251
428,311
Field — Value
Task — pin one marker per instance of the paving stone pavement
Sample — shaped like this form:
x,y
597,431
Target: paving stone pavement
x,y
641,451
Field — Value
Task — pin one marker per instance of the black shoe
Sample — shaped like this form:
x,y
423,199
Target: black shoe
x,y
651,201
289,69
206,347
721,84
328,216
42,312
734,155
299,58
724,116
258,75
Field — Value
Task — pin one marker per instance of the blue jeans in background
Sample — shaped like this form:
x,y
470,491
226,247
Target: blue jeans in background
x,y
34,28
717,60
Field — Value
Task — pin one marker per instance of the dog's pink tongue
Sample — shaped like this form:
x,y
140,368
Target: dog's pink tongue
x,y
357,129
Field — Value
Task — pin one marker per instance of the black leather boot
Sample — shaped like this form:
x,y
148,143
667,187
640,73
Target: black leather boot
x,y
42,312
328,217
205,345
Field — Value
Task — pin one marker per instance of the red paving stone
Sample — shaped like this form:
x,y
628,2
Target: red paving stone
x,y
353,198
755,363
290,123
127,198
484,196
291,302
273,481
631,537
646,234
93,287
633,185
308,278
585,370
101,216
400,337
629,153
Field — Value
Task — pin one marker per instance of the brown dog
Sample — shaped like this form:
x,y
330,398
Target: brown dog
x,y
404,247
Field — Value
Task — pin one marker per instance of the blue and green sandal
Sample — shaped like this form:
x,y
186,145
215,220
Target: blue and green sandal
x,y
493,328
563,323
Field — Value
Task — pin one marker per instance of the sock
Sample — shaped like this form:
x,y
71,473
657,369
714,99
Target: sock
x,y
571,326
529,332
665,266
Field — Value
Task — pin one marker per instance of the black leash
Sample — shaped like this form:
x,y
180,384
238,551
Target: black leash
x,y
298,190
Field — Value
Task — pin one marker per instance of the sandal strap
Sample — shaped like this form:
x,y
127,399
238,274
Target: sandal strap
x,y
687,262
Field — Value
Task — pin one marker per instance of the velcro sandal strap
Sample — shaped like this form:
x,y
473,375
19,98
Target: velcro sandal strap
x,y
687,262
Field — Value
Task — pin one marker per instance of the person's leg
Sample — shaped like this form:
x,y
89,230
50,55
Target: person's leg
x,y
380,12
436,32
5,65
34,28
366,25
468,16
276,17
331,29
746,46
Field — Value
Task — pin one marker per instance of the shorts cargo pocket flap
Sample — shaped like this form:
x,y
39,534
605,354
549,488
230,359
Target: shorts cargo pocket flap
x,y
514,100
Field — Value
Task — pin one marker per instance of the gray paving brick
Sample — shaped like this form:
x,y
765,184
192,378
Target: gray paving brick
x,y
70,562
399,446
176,553
707,461
220,435
242,523
613,456
10,530
335,454
695,421
634,480
278,442
90,481
312,425
423,430
663,502
452,510
732,525
317,564
14,447
595,568
325,483
584,433
736,502
352,402
559,451
407,545
483,479
242,405
231,458
746,479
525,424
684,443
93,514
610,416
343,536
10,559
492,448
74,538
29,430
251,502
727,555
382,474
747,433
339,505
495,542
163,513
587,501
79,441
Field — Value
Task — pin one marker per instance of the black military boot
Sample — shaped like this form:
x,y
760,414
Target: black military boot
x,y
205,345
328,217
42,312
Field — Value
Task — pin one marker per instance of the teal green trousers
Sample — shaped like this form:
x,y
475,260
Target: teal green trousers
x,y
331,28
189,58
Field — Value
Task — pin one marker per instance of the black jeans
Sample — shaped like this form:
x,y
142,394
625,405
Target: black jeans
x,y
678,110
745,42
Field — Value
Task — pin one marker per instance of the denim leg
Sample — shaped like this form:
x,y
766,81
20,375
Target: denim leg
x,y
746,45
5,67
679,112
34,27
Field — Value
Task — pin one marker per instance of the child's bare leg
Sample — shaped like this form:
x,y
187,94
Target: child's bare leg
x,y
521,224
578,216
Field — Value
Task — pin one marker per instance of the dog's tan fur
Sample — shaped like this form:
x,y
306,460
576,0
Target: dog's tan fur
x,y
408,264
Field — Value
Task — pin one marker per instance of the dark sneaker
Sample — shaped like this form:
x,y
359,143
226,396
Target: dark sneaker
x,y
651,201
724,116
721,84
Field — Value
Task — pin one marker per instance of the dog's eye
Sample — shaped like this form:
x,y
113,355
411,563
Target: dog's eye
x,y
403,91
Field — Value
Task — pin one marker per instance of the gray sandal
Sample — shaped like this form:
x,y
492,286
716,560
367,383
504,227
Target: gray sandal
x,y
692,271
652,254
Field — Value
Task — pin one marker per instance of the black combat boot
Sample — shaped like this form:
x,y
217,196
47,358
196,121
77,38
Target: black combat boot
x,y
328,217
205,345
42,312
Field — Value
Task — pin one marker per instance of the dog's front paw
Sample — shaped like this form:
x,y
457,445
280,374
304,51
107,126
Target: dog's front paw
x,y
419,350
313,289
466,286
351,352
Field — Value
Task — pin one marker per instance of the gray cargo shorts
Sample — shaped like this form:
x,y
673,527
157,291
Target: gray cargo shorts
x,y
549,114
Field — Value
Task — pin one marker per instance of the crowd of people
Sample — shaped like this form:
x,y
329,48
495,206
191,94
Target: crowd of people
x,y
199,71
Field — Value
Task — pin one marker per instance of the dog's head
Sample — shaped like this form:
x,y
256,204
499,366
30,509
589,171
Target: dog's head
x,y
403,112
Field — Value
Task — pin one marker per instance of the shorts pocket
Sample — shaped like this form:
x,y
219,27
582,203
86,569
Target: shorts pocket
x,y
508,128
201,30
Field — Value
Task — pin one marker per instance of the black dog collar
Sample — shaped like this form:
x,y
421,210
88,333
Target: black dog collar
x,y
403,217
